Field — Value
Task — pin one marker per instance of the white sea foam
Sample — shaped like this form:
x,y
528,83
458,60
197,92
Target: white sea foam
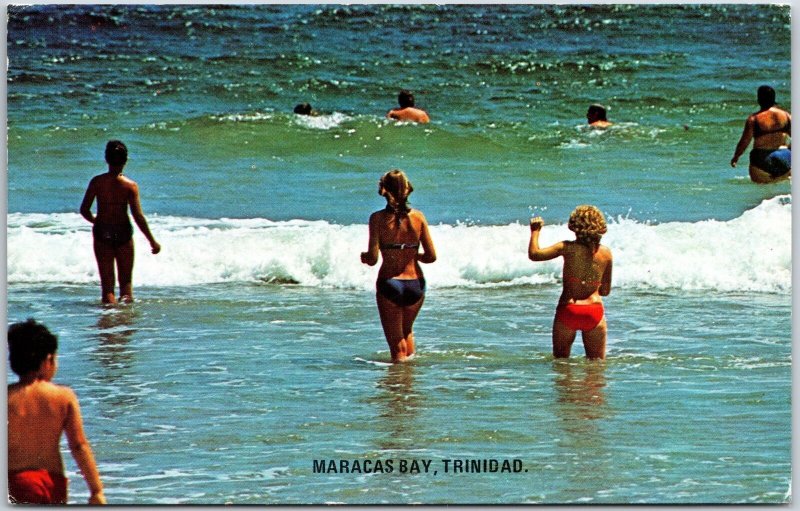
x,y
322,122
748,253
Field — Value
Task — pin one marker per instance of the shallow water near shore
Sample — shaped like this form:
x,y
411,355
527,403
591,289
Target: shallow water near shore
x,y
249,386
254,347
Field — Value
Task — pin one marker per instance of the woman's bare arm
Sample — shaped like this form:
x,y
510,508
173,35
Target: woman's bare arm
x,y
370,257
428,254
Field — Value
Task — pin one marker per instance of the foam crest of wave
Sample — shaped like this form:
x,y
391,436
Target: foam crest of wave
x,y
748,253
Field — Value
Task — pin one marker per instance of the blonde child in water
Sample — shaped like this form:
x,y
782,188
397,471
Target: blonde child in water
x,y
586,277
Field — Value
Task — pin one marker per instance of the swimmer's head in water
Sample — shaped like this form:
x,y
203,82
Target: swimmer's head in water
x,y
596,113
766,96
29,344
405,98
303,109
588,224
116,153
395,187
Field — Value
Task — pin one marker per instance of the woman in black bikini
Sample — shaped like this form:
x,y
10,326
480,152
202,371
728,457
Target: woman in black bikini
x,y
397,232
112,230
770,159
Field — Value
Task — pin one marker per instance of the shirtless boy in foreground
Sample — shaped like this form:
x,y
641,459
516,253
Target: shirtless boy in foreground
x,y
38,411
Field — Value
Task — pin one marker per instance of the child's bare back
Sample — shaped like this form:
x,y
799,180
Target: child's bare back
x,y
38,412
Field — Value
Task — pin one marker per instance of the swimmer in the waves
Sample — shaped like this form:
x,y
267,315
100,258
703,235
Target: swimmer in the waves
x,y
112,230
304,109
397,233
408,111
597,117
769,128
586,277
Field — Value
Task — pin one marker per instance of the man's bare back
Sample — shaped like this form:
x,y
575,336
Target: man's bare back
x,y
409,114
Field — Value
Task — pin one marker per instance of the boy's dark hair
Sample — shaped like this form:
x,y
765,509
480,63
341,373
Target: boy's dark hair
x,y
599,111
116,153
29,344
303,109
405,98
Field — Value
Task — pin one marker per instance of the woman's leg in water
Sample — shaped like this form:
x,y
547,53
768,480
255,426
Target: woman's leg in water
x,y
594,341
563,337
398,323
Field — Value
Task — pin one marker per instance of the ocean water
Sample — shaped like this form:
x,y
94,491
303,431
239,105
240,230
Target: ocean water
x,y
253,356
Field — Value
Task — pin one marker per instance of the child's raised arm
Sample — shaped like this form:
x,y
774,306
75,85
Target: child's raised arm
x,y
536,253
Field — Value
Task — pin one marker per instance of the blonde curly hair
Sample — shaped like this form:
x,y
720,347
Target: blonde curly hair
x,y
588,224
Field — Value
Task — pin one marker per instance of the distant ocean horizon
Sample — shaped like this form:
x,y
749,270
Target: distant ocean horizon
x,y
254,348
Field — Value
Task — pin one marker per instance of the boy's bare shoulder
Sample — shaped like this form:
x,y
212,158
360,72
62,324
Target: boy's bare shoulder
x,y
98,179
43,389
59,391
128,181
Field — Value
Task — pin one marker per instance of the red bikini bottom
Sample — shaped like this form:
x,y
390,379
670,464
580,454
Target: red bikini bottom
x,y
37,487
580,316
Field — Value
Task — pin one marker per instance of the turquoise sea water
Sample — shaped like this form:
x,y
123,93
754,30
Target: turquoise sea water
x,y
254,347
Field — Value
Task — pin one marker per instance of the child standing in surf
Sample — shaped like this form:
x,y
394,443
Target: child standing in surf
x,y
112,230
39,411
586,277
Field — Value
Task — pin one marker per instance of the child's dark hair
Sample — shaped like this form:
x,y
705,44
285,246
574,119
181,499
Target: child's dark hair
x,y
116,153
29,344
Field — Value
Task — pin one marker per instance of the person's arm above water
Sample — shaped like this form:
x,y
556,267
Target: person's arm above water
x,y
428,254
744,141
141,221
88,199
370,257
605,282
81,451
535,252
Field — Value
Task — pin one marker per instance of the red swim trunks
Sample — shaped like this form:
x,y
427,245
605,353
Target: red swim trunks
x,y
37,487
580,316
